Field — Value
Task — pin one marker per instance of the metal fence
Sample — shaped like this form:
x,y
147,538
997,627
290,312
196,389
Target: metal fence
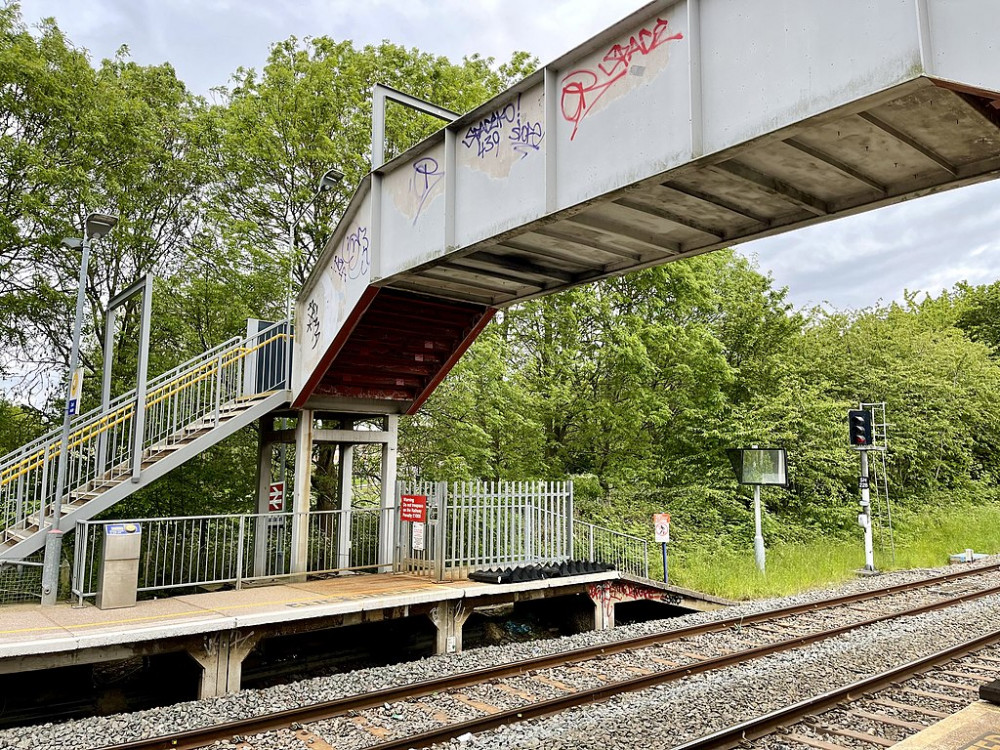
x,y
629,554
108,444
469,526
477,525
235,549
20,581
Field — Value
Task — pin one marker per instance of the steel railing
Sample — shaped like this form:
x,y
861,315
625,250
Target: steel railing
x,y
192,551
629,554
477,525
103,447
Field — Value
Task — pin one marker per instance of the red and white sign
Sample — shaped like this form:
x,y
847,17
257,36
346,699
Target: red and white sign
x,y
276,497
661,527
413,508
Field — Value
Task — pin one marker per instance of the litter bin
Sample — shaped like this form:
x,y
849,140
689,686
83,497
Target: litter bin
x,y
118,580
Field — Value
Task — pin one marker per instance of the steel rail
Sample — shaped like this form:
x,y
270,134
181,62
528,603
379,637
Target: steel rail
x,y
196,738
762,726
604,692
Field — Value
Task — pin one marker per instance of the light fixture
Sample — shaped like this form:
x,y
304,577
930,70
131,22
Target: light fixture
x,y
98,225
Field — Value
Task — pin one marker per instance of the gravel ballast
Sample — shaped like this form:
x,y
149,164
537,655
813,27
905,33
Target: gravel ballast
x,y
660,717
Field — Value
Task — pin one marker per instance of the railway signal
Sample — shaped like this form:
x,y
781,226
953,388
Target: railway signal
x,y
860,424
862,440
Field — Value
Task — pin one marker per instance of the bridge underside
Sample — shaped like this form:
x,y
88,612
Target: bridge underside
x,y
920,137
394,350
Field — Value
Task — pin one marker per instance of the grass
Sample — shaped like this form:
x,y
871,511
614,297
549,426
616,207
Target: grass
x,y
923,540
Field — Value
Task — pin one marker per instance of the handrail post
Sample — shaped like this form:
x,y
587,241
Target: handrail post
x,y
140,385
218,389
239,553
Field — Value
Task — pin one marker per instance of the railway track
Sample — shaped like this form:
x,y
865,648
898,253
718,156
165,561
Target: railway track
x,y
553,683
878,711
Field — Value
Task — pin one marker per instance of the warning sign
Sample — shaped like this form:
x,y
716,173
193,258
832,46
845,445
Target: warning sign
x,y
413,508
661,527
276,497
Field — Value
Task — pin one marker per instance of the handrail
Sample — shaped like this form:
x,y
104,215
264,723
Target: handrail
x,y
102,447
54,434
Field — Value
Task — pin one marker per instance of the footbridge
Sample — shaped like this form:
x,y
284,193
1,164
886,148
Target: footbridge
x,y
687,127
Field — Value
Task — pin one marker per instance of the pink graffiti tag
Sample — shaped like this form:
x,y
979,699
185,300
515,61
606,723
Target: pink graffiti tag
x,y
582,88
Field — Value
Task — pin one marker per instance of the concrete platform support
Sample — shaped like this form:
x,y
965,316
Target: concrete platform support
x,y
302,492
449,618
603,597
387,542
221,658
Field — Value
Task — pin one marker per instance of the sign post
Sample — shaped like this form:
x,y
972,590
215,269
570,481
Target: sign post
x,y
759,466
75,392
661,533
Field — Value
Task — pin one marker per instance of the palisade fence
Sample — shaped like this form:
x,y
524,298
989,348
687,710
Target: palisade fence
x,y
470,526
477,525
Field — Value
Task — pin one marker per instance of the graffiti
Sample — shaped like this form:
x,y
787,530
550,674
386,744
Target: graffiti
x,y
524,135
426,176
607,593
581,89
352,260
312,322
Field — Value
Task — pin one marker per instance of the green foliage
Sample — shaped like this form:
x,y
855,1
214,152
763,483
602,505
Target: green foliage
x,y
635,386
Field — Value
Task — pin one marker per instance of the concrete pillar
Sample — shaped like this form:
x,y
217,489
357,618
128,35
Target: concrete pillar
x,y
603,597
264,453
346,500
449,618
221,658
387,527
302,496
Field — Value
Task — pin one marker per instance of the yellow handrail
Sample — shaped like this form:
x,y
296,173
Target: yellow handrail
x,y
108,421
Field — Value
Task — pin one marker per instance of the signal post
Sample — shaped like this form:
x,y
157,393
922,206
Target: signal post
x,y
862,440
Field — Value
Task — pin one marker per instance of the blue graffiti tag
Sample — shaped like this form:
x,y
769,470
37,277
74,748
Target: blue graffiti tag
x,y
426,175
486,135
352,260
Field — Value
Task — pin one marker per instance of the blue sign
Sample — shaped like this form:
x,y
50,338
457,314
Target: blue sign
x,y
119,529
71,407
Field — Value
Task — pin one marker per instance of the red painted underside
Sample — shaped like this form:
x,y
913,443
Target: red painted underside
x,y
397,348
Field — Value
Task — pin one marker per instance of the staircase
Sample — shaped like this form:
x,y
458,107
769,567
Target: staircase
x,y
112,454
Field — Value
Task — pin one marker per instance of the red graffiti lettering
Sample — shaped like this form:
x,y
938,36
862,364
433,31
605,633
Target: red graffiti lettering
x,y
582,88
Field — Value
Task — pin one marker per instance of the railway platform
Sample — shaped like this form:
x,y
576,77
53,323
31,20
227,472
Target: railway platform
x,y
218,629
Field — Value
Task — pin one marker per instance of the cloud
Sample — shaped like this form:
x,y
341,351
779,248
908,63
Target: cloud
x,y
927,244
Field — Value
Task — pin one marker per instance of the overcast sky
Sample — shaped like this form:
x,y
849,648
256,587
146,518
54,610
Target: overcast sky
x,y
924,245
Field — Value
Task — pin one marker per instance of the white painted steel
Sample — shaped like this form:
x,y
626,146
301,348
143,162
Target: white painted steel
x,y
181,407
684,128
184,552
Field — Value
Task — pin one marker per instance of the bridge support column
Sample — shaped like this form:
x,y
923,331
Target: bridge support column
x,y
346,500
302,495
387,534
265,450
449,618
221,658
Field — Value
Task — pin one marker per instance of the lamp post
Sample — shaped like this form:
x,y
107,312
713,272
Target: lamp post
x,y
95,227
328,181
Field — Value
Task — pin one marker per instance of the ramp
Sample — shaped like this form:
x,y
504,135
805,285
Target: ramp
x,y
687,127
